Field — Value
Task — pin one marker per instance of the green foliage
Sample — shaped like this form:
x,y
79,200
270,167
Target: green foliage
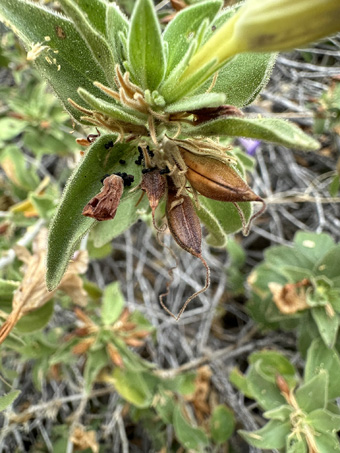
x,y
297,409
298,287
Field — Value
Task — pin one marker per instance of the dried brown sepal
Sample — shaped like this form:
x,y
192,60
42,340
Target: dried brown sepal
x,y
103,206
215,179
210,113
185,228
83,142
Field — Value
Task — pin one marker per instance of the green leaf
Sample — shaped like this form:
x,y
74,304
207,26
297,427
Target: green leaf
x,y
190,437
116,24
281,413
132,387
69,225
7,288
269,129
11,127
240,382
327,325
313,245
313,394
222,424
196,102
296,444
184,27
164,405
327,443
95,11
127,215
324,421
328,265
280,257
37,319
96,360
14,163
113,303
320,357
263,389
334,186
272,435
94,40
146,55
77,64
272,363
225,214
8,399
113,110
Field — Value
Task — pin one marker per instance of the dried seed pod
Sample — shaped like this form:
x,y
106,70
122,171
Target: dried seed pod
x,y
215,179
185,228
153,183
183,221
104,205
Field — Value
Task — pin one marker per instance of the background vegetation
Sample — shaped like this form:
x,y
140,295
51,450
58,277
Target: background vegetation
x,y
98,366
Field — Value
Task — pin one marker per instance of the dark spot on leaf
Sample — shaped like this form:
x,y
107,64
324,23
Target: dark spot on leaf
x,y
60,32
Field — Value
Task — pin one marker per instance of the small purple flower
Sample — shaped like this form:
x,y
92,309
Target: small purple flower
x,y
250,145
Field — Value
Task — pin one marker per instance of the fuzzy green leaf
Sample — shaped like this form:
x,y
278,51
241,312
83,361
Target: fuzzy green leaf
x,y
74,64
225,214
132,387
324,421
95,11
190,437
318,387
8,399
196,102
69,225
329,264
37,319
327,443
7,288
312,245
184,27
320,357
222,424
113,303
116,24
95,41
281,413
267,129
97,359
111,109
263,390
146,55
327,325
272,435
296,444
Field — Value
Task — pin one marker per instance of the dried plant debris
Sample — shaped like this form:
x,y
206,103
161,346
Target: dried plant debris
x,y
32,292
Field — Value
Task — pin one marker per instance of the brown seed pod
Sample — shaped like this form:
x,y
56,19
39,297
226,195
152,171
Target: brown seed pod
x,y
183,221
153,183
104,205
185,228
215,179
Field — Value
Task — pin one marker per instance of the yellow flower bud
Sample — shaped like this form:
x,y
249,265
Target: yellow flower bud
x,y
269,26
